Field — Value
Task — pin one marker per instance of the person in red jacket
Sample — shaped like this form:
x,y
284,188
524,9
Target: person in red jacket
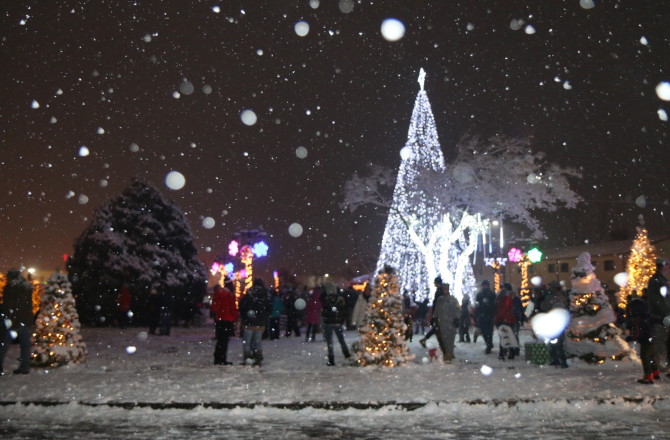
x,y
124,300
225,314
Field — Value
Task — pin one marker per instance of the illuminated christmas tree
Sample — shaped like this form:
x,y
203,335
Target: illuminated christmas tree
x,y
412,218
591,333
382,336
57,340
640,267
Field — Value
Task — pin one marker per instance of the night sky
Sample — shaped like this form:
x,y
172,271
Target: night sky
x,y
105,74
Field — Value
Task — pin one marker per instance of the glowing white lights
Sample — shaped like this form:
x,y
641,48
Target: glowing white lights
x,y
392,29
621,279
486,370
301,152
84,151
301,28
295,230
300,304
175,180
663,90
208,222
550,325
248,117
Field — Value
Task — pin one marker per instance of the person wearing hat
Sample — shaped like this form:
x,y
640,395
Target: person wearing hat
x,y
659,309
484,313
18,319
225,314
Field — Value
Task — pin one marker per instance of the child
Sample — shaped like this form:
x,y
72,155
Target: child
x,y
639,324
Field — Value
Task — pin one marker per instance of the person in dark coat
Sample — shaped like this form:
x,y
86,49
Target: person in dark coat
x,y
484,313
167,306
154,310
464,328
659,308
18,318
254,313
556,298
334,314
641,328
292,314
277,308
225,315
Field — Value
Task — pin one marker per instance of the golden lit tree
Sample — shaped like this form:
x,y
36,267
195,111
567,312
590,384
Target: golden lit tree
x,y
57,339
383,332
640,267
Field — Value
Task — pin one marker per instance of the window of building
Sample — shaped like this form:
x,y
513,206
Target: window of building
x,y
564,267
609,265
551,268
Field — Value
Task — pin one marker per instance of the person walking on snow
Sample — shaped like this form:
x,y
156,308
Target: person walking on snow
x,y
433,321
254,312
225,315
659,308
313,314
484,313
334,315
446,311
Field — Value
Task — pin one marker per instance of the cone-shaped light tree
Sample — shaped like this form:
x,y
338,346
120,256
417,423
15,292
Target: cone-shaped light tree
x,y
437,213
382,339
640,267
409,242
57,339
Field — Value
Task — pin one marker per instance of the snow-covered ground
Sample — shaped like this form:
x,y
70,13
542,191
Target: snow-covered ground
x,y
132,386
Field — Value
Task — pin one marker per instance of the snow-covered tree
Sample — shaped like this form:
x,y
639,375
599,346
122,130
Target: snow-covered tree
x,y
640,267
437,211
57,339
139,239
382,335
591,333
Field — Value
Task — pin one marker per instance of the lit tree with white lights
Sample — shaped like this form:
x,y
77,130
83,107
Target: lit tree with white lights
x,y
383,340
438,212
57,339
410,242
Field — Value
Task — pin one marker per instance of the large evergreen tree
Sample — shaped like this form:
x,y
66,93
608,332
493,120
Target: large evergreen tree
x,y
411,213
57,339
140,239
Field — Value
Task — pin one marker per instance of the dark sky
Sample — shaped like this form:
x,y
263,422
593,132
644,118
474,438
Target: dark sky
x,y
104,74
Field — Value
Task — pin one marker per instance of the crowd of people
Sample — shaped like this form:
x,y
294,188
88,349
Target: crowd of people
x,y
262,313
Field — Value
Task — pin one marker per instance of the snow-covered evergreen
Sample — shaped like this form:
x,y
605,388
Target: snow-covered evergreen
x,y
57,339
139,239
591,334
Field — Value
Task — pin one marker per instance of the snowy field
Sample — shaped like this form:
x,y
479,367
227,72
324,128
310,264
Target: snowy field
x,y
167,387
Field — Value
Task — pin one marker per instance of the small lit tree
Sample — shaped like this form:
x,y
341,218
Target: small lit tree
x,y
57,339
591,334
382,339
640,267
